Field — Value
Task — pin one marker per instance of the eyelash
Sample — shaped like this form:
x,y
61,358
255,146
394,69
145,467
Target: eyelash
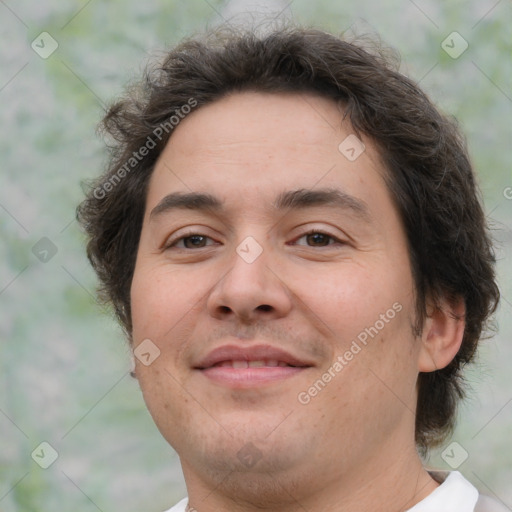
x,y
191,234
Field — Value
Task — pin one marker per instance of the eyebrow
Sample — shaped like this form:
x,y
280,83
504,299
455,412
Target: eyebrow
x,y
287,200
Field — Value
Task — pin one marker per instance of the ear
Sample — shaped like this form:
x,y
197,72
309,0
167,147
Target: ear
x,y
442,334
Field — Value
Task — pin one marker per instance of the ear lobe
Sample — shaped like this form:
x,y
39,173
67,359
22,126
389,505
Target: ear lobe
x,y
442,335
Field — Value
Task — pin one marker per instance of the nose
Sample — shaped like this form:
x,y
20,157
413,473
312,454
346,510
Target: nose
x,y
250,290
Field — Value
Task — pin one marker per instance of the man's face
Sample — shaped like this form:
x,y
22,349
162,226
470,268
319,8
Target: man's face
x,y
251,314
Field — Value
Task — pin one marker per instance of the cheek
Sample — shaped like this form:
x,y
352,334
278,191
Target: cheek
x,y
369,313
378,382
352,297
166,400
142,299
158,300
164,311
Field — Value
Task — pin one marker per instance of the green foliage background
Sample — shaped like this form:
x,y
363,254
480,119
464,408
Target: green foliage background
x,y
63,363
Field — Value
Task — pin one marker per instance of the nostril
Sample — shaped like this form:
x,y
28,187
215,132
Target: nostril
x,y
265,307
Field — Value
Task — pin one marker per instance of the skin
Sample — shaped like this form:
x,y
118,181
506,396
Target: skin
x,y
351,447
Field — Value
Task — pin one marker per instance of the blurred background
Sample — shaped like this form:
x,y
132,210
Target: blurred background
x,y
64,365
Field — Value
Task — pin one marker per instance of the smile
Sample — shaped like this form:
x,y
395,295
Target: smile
x,y
248,374
271,363
238,366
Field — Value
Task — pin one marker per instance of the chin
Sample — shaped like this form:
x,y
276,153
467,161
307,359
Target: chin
x,y
251,450
256,474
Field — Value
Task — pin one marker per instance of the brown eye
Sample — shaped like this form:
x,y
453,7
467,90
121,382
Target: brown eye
x,y
193,241
318,239
190,241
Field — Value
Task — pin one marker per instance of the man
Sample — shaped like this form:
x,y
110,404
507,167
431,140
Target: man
x,y
291,236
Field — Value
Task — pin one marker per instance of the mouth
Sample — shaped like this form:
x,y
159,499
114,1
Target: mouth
x,y
262,363
246,367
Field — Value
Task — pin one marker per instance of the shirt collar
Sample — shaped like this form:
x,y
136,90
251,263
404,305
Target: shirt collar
x,y
455,493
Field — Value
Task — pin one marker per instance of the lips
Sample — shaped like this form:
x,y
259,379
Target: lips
x,y
270,363
250,357
240,368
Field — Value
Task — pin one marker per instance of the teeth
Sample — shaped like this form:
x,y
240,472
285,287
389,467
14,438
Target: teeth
x,y
272,363
256,364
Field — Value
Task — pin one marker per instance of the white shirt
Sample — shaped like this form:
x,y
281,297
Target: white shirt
x,y
455,494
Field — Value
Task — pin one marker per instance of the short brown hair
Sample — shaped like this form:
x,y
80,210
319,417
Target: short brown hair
x,y
428,173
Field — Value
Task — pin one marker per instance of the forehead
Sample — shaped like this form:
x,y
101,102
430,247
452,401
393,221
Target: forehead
x,y
250,146
282,122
